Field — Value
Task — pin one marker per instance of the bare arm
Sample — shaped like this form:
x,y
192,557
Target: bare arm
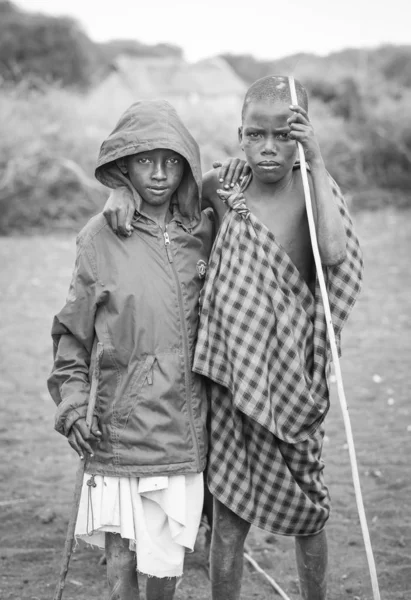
x,y
210,197
119,210
224,176
329,225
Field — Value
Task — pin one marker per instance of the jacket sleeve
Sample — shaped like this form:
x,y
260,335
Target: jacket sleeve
x,y
73,337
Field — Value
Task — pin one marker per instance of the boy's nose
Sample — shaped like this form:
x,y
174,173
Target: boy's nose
x,y
159,173
270,147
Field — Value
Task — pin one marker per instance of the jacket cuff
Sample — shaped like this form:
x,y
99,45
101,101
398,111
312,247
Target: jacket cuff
x,y
68,412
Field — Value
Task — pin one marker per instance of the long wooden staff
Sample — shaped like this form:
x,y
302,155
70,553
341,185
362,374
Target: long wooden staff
x,y
336,361
68,546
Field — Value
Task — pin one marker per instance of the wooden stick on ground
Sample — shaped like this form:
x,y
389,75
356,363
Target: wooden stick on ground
x,y
270,580
68,546
336,361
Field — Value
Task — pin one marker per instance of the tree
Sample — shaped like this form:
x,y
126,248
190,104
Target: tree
x,y
54,49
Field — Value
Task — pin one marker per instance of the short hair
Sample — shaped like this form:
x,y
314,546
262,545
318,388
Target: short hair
x,y
274,87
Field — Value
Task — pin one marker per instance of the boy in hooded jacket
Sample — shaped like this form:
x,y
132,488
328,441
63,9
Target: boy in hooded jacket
x,y
131,321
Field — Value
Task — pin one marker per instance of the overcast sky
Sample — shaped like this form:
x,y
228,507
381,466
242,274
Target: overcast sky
x,y
265,28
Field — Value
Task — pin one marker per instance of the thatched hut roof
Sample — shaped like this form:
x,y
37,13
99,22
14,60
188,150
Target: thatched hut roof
x,y
168,77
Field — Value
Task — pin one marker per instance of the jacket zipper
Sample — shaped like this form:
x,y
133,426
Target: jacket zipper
x,y
185,336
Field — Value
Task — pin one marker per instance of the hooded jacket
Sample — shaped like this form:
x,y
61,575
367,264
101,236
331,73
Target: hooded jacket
x,y
131,316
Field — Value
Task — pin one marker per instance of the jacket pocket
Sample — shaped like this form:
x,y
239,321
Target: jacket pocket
x,y
160,426
142,376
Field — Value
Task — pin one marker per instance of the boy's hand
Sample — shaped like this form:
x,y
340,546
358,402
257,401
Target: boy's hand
x,y
231,171
119,210
80,438
302,131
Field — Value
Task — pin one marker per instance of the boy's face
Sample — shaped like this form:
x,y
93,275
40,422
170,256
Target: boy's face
x,y
156,174
264,139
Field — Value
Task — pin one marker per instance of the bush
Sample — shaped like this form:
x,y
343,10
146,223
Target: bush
x,y
44,48
47,154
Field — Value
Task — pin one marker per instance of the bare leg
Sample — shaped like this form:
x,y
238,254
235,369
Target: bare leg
x,y
160,588
312,557
227,547
121,569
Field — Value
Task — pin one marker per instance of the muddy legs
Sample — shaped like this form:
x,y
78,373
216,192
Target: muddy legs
x,y
311,554
160,589
227,546
121,569
122,574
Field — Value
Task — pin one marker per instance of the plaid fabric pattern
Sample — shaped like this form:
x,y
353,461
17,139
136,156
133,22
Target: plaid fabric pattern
x,y
276,486
262,332
263,343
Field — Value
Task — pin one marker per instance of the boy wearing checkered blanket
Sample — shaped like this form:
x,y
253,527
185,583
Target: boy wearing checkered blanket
x,y
263,343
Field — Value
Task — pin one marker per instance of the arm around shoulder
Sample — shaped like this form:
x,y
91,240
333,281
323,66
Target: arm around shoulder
x,y
210,186
210,198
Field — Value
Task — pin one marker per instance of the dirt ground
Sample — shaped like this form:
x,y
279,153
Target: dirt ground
x,y
37,469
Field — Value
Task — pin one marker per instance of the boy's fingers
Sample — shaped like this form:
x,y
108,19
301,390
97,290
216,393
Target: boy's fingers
x,y
122,215
297,108
298,118
94,428
82,432
73,443
224,194
299,136
130,210
222,175
112,221
299,127
237,174
82,443
228,179
298,111
129,216
246,170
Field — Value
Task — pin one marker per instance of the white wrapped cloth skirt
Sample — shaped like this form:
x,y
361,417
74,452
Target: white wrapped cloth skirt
x,y
159,515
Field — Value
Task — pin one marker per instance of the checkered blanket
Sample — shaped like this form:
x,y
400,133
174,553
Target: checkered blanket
x,y
262,332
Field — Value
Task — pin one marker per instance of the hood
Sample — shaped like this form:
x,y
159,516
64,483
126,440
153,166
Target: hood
x,y
147,125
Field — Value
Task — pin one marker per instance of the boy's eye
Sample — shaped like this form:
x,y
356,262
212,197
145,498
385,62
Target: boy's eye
x,y
254,134
143,160
173,160
283,136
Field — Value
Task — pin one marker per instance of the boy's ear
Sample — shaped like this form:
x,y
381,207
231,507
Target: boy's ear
x,y
240,137
122,165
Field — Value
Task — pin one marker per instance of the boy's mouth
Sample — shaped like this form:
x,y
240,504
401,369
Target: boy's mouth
x,y
158,190
269,165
